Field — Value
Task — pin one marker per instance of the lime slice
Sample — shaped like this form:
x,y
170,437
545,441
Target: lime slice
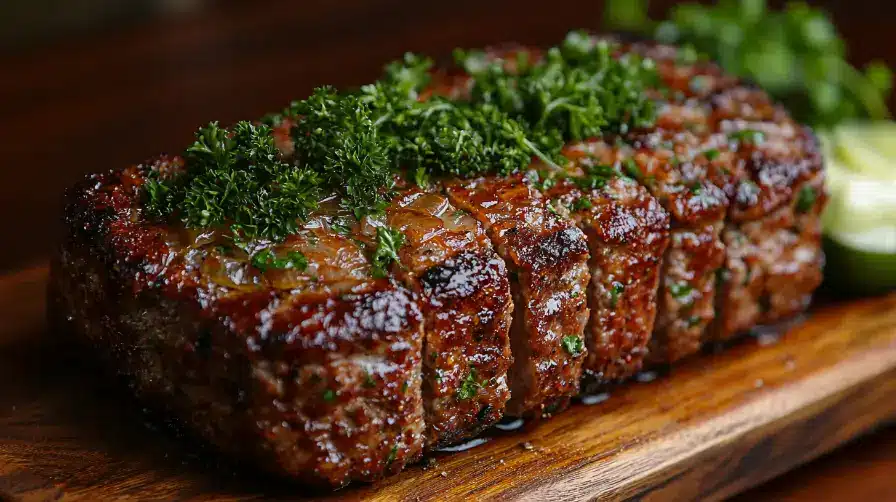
x,y
860,219
867,148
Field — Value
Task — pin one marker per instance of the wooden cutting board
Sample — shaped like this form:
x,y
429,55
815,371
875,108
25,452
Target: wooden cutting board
x,y
709,428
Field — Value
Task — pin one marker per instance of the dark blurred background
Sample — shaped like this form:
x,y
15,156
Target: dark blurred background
x,y
87,85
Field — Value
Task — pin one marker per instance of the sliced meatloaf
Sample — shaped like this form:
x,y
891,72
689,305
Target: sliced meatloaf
x,y
547,258
464,293
466,303
744,245
628,232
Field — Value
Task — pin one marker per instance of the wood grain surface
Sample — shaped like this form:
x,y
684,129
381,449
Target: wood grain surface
x,y
709,429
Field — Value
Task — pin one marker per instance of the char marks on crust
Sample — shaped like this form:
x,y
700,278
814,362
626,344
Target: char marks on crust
x,y
323,364
547,260
467,306
627,233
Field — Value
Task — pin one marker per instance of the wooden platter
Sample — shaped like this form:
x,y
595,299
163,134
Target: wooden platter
x,y
708,429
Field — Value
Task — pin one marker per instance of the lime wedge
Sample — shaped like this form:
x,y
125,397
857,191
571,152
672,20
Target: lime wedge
x,y
860,218
867,148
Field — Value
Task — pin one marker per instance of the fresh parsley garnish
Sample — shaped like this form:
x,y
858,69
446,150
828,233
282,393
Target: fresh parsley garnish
x,y
469,386
805,199
336,137
388,242
265,260
235,178
748,136
573,345
680,290
579,91
615,293
795,54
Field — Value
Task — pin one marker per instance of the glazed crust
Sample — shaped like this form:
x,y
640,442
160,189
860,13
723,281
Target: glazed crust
x,y
733,202
627,232
329,374
547,259
317,378
466,303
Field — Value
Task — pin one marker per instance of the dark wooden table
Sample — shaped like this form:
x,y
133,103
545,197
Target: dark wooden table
x,y
117,93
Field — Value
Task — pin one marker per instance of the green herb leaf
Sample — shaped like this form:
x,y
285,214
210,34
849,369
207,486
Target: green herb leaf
x,y
235,177
615,293
748,136
265,260
581,204
388,242
795,53
805,199
577,92
573,345
469,387
337,138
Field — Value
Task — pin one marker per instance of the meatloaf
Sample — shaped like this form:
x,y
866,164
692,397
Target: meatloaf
x,y
505,296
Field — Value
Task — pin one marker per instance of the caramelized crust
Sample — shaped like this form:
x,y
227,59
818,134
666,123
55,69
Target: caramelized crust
x,y
627,232
328,374
315,374
696,162
547,259
465,298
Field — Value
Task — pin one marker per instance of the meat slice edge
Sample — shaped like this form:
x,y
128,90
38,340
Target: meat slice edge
x,y
546,257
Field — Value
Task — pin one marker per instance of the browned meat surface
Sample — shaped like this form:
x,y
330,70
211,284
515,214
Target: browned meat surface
x,y
465,298
315,374
627,232
547,259
464,292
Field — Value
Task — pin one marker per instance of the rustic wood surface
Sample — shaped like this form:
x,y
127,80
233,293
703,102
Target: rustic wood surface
x,y
713,427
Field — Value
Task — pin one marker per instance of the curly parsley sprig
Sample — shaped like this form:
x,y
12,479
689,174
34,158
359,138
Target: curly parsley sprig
x,y
579,91
234,177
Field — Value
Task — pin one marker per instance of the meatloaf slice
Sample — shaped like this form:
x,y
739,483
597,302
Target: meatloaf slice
x,y
773,235
680,176
312,370
547,260
627,232
465,297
